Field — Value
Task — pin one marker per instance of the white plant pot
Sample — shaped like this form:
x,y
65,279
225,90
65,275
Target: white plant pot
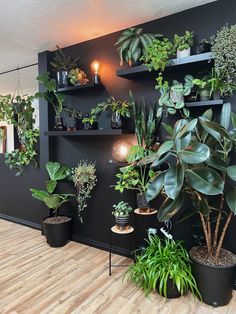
x,y
183,53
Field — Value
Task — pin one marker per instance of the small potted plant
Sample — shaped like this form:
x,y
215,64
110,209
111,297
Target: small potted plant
x,y
89,121
163,266
183,44
53,97
203,88
77,77
121,212
70,118
62,64
203,46
57,228
85,179
132,44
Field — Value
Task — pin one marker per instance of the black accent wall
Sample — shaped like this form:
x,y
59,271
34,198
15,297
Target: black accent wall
x,y
16,201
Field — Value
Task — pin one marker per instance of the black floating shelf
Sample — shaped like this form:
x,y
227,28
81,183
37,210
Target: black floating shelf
x,y
117,163
142,69
204,103
76,89
88,132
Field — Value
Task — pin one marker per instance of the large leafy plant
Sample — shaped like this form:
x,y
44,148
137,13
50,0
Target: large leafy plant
x,y
51,95
199,164
132,44
224,50
53,200
161,262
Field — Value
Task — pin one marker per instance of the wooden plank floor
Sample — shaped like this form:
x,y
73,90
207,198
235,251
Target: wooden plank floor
x,y
35,278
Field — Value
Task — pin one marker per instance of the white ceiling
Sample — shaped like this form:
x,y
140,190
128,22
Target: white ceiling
x,y
31,26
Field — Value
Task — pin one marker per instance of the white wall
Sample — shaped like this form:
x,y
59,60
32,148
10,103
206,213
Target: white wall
x,y
28,85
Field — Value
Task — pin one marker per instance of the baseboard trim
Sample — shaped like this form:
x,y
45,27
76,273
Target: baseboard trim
x,y
21,221
74,237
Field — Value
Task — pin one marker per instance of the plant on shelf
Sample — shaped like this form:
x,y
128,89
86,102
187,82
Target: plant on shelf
x,y
183,44
203,46
203,164
53,97
132,44
63,64
56,228
120,110
19,111
77,77
2,136
121,212
156,57
224,51
172,98
85,179
70,118
163,265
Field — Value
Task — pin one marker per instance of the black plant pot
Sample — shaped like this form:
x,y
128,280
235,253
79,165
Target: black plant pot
x,y
216,95
172,291
57,234
122,221
202,48
215,283
204,95
62,79
142,202
71,123
117,121
58,126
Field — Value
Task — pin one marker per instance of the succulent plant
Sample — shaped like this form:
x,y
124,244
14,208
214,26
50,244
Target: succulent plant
x,y
77,76
132,44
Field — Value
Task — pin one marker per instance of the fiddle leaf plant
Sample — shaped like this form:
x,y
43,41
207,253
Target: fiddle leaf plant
x,y
202,151
53,200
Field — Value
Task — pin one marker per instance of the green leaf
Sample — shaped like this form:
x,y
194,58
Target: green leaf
x,y
39,194
50,186
214,129
56,171
159,162
205,180
217,163
164,148
195,154
230,197
231,172
233,119
168,128
174,179
186,129
155,187
225,115
170,207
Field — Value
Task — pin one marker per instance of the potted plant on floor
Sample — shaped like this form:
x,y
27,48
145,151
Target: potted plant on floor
x,y
63,64
85,179
163,266
132,43
57,228
53,97
203,168
183,44
121,212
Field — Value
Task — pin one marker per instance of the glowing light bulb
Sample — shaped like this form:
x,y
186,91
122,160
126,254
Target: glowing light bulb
x,y
120,150
95,66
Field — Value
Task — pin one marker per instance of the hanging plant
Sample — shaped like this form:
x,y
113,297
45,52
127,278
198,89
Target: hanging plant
x,y
224,50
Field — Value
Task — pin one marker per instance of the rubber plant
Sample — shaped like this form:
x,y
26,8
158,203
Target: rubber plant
x,y
198,154
132,44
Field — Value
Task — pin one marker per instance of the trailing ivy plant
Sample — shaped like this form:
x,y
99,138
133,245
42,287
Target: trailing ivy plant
x,y
19,112
202,151
224,50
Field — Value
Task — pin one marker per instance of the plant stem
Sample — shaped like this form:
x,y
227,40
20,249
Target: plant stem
x,y
223,235
204,226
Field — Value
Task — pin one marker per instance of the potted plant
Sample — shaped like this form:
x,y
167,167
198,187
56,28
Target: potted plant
x,y
203,46
172,98
120,110
163,265
183,44
202,150
89,121
70,118
121,212
57,229
223,49
53,97
63,64
132,43
77,77
85,179
204,87
156,56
